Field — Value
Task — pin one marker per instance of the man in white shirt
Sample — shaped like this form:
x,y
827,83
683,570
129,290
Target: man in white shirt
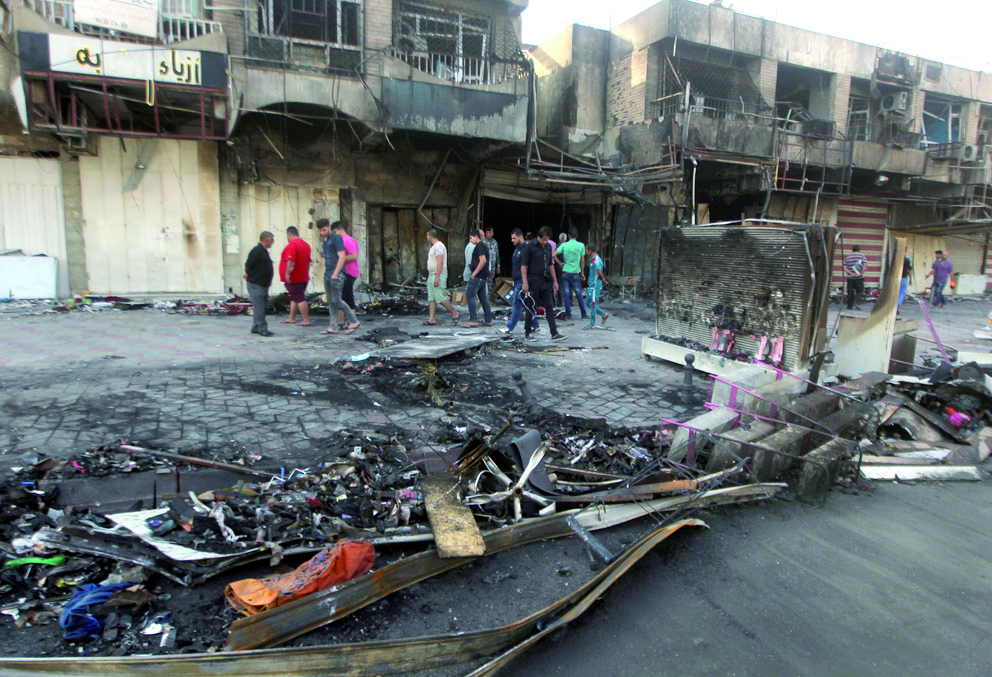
x,y
437,279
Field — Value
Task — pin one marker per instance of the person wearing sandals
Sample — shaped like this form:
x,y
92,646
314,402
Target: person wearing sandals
x,y
478,284
595,288
294,271
334,260
437,279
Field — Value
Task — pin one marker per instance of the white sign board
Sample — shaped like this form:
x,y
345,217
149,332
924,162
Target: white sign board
x,y
139,17
93,56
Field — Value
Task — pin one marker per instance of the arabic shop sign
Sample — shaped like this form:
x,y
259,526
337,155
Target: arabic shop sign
x,y
92,56
139,17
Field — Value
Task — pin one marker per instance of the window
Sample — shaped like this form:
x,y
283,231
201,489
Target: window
x,y
859,119
328,21
933,71
941,121
447,44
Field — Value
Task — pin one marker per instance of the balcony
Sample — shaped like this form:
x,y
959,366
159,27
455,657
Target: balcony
x,y
462,70
177,22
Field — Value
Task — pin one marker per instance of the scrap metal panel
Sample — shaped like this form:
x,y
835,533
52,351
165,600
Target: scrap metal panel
x,y
760,279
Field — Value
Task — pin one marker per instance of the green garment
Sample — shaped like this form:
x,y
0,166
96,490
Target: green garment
x,y
572,252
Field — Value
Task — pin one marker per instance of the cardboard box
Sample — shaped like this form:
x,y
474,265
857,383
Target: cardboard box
x,y
505,292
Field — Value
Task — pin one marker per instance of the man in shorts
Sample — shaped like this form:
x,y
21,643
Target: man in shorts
x,y
437,279
294,271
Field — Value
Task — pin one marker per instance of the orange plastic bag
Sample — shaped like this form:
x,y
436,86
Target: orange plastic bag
x,y
329,567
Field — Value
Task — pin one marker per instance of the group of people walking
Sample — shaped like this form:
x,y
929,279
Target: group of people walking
x,y
542,273
855,264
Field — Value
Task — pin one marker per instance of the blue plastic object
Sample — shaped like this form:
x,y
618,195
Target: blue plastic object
x,y
76,620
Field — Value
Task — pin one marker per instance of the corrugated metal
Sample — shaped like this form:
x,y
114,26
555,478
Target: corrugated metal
x,y
763,275
861,222
31,216
967,253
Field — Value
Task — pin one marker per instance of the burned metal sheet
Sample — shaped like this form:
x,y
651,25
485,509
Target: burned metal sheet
x,y
759,282
434,347
271,628
366,658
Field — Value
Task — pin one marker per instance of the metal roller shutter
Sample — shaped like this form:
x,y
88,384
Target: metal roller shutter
x,y
861,222
763,275
967,253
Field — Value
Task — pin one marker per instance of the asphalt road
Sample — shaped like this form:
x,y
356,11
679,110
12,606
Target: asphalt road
x,y
893,582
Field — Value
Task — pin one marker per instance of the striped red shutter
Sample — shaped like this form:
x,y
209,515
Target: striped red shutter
x,y
861,222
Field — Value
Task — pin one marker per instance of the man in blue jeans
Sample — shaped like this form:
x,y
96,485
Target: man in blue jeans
x,y
942,270
571,255
478,283
518,307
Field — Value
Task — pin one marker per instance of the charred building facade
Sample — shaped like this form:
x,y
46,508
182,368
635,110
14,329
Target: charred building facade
x,y
763,120
147,152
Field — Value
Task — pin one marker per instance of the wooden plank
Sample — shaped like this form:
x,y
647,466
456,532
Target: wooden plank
x,y
407,231
937,473
455,532
390,246
374,243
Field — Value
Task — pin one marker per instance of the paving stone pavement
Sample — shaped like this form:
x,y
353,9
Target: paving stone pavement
x,y
205,385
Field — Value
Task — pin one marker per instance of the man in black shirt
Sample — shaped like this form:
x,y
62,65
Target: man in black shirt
x,y
477,284
258,275
537,271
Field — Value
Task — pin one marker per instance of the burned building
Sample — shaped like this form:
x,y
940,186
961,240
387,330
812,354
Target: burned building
x,y
764,120
151,150
181,131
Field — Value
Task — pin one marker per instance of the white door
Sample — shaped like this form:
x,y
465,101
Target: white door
x,y
31,211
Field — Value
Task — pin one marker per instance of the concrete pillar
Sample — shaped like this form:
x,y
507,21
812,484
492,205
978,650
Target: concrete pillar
x,y
230,230
916,109
768,80
841,87
969,113
378,21
72,204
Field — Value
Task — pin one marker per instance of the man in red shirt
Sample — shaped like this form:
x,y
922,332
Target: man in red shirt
x,y
294,271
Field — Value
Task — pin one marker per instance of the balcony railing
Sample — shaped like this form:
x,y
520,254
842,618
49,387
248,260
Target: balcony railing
x,y
171,28
467,70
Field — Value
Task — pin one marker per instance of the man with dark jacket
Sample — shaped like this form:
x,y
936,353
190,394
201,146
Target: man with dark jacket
x,y
258,276
537,272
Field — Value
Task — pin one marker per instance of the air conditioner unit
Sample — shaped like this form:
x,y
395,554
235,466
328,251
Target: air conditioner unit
x,y
969,153
76,145
895,104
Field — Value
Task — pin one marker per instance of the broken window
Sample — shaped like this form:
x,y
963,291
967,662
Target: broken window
x,y
984,125
318,35
724,92
859,118
933,71
941,121
329,21
451,45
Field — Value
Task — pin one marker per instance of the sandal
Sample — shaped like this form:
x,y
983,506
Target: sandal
x,y
287,321
305,324
330,331
425,323
454,320
469,325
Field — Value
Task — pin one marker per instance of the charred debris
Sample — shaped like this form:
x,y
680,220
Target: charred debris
x,y
100,543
